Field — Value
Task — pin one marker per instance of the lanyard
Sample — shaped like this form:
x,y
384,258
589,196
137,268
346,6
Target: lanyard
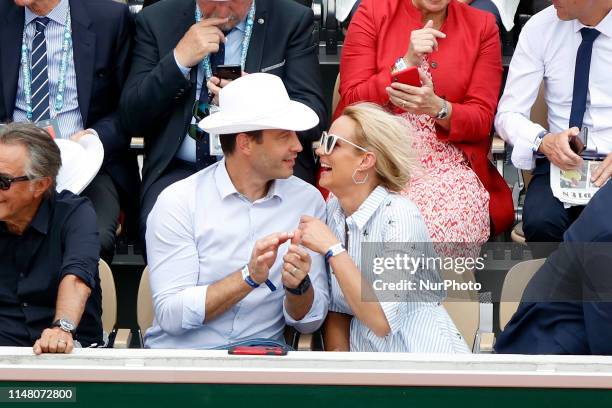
x,y
245,41
27,70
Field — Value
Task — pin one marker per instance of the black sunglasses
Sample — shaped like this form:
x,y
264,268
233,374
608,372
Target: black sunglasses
x,y
6,181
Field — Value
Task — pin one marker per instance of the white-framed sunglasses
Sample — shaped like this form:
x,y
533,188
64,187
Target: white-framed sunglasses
x,y
328,142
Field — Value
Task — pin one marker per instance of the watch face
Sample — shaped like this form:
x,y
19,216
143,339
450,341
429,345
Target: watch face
x,y
66,325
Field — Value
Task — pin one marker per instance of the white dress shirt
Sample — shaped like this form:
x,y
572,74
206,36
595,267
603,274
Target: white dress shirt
x,y
201,230
416,326
546,51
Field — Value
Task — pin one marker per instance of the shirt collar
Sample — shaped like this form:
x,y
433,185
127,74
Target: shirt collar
x,y
604,26
367,209
226,188
58,14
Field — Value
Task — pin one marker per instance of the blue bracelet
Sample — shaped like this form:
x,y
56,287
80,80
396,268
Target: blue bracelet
x,y
251,282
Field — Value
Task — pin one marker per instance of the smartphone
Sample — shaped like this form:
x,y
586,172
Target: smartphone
x,y
408,76
578,144
230,72
257,351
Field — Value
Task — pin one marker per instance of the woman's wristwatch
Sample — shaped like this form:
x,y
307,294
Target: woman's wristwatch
x,y
443,114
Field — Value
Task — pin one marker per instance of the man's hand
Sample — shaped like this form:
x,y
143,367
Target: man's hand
x,y
54,340
555,146
423,41
264,254
215,84
201,39
417,100
297,263
603,173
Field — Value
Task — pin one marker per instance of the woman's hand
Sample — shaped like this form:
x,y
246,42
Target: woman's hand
x,y
416,100
423,41
316,236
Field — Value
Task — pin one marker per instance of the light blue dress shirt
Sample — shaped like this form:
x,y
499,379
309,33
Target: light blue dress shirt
x,y
69,119
200,231
416,325
233,54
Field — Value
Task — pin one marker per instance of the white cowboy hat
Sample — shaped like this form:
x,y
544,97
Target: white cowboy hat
x,y
80,162
258,102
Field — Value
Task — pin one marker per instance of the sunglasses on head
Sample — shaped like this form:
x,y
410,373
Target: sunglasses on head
x,y
6,181
328,142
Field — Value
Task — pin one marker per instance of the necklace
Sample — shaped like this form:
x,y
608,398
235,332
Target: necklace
x,y
27,70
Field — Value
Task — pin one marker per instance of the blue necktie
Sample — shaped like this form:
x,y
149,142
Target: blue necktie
x,y
40,77
203,157
581,76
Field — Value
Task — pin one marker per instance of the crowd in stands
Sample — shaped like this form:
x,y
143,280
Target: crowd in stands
x,y
227,95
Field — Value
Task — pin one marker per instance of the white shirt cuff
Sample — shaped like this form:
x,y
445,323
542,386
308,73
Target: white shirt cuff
x,y
184,70
522,152
313,319
194,313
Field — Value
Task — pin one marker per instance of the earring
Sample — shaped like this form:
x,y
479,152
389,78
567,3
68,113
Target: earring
x,y
359,181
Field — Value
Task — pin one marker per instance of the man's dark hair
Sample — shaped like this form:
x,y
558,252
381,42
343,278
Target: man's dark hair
x,y
228,141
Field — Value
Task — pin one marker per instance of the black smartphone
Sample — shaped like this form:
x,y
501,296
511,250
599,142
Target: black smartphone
x,y
579,143
229,72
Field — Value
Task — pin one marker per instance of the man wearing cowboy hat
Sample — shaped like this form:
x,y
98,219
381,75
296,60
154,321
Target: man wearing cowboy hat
x,y
225,263
49,249
175,59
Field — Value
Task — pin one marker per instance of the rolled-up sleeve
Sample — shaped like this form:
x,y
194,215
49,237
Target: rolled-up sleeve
x,y
82,244
178,301
318,276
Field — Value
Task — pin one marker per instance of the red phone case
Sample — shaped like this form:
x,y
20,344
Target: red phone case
x,y
408,76
257,351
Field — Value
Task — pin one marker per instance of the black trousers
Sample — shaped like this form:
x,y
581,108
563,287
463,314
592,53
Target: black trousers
x,y
545,219
104,195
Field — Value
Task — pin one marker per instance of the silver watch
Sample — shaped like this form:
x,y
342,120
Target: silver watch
x,y
444,111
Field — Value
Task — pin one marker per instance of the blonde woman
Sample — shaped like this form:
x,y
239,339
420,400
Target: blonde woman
x,y
366,161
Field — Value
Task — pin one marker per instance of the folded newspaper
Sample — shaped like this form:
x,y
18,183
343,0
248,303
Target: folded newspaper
x,y
574,186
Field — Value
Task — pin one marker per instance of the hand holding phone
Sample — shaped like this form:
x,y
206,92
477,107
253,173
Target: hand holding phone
x,y
229,72
408,76
578,144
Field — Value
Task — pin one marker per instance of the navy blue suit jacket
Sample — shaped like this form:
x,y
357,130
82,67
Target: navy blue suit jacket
x,y
567,306
101,33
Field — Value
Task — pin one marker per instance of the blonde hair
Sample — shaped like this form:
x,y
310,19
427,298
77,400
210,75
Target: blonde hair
x,y
389,138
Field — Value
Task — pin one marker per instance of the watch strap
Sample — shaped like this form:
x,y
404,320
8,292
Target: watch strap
x,y
304,285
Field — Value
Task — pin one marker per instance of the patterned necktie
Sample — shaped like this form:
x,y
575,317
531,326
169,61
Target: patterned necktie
x,y
581,76
40,78
203,157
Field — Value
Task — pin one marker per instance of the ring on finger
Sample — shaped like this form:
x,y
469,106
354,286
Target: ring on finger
x,y
61,341
295,269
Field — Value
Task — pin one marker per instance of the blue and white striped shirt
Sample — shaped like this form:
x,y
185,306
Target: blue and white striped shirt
x,y
416,325
69,119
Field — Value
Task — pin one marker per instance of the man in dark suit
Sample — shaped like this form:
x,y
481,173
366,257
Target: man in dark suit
x,y
91,67
174,60
567,306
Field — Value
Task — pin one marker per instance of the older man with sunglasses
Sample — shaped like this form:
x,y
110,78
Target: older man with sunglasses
x,y
49,250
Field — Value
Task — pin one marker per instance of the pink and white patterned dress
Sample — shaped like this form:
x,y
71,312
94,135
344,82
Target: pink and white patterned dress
x,y
450,196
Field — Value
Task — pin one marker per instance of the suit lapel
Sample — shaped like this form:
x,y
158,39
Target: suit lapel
x,y
84,49
256,46
10,46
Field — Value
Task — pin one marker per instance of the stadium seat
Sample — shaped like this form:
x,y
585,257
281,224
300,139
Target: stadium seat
x,y
109,300
514,285
463,307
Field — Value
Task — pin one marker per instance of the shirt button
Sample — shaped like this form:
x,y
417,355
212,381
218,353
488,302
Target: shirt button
x,y
25,304
22,275
434,64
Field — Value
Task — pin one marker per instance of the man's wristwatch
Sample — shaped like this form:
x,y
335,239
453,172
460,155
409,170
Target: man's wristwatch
x,y
302,287
444,111
66,325
537,142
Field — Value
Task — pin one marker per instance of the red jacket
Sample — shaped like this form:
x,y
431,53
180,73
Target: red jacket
x,y
466,71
